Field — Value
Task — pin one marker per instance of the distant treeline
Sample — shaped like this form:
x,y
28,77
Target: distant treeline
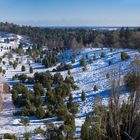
x,y
77,38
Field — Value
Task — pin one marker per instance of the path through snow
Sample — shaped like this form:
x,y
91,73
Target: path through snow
x,y
6,116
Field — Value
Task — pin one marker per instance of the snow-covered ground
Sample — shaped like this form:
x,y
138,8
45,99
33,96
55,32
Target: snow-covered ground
x,y
94,75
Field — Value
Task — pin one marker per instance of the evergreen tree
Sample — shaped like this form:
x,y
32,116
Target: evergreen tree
x,y
31,70
83,62
69,72
15,65
0,69
37,100
73,59
107,75
83,96
124,56
62,112
84,68
23,68
102,55
22,77
0,59
69,127
109,63
14,97
3,71
94,57
25,122
95,88
86,56
85,131
38,88
40,113
3,62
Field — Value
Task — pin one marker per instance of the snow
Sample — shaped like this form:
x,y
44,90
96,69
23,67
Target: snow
x,y
95,75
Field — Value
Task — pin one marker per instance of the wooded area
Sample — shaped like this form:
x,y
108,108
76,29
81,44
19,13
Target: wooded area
x,y
77,37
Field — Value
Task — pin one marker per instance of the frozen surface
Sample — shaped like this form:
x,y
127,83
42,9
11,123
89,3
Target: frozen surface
x,y
95,75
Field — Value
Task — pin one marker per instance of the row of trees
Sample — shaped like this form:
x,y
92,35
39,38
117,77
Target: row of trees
x,y
77,38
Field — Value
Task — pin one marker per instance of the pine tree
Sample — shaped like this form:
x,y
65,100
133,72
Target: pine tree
x,y
25,122
85,131
38,88
14,96
107,75
83,96
124,56
69,72
23,68
102,54
73,59
0,60
94,57
0,69
86,56
31,70
95,88
69,127
83,62
40,113
3,71
15,65
109,63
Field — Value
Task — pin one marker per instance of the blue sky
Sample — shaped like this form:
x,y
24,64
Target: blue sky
x,y
71,12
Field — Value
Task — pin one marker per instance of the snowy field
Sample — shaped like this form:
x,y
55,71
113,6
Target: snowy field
x,y
94,75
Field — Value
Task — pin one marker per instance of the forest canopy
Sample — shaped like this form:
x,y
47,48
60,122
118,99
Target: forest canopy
x,y
76,37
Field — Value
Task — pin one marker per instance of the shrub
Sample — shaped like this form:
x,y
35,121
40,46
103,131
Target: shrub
x,y
64,66
84,68
30,80
74,87
107,75
9,136
3,62
4,71
102,55
0,59
14,96
94,57
69,72
23,68
27,135
31,70
83,62
95,88
109,63
124,56
15,65
38,130
22,77
72,59
0,69
10,63
86,56
83,96
90,61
